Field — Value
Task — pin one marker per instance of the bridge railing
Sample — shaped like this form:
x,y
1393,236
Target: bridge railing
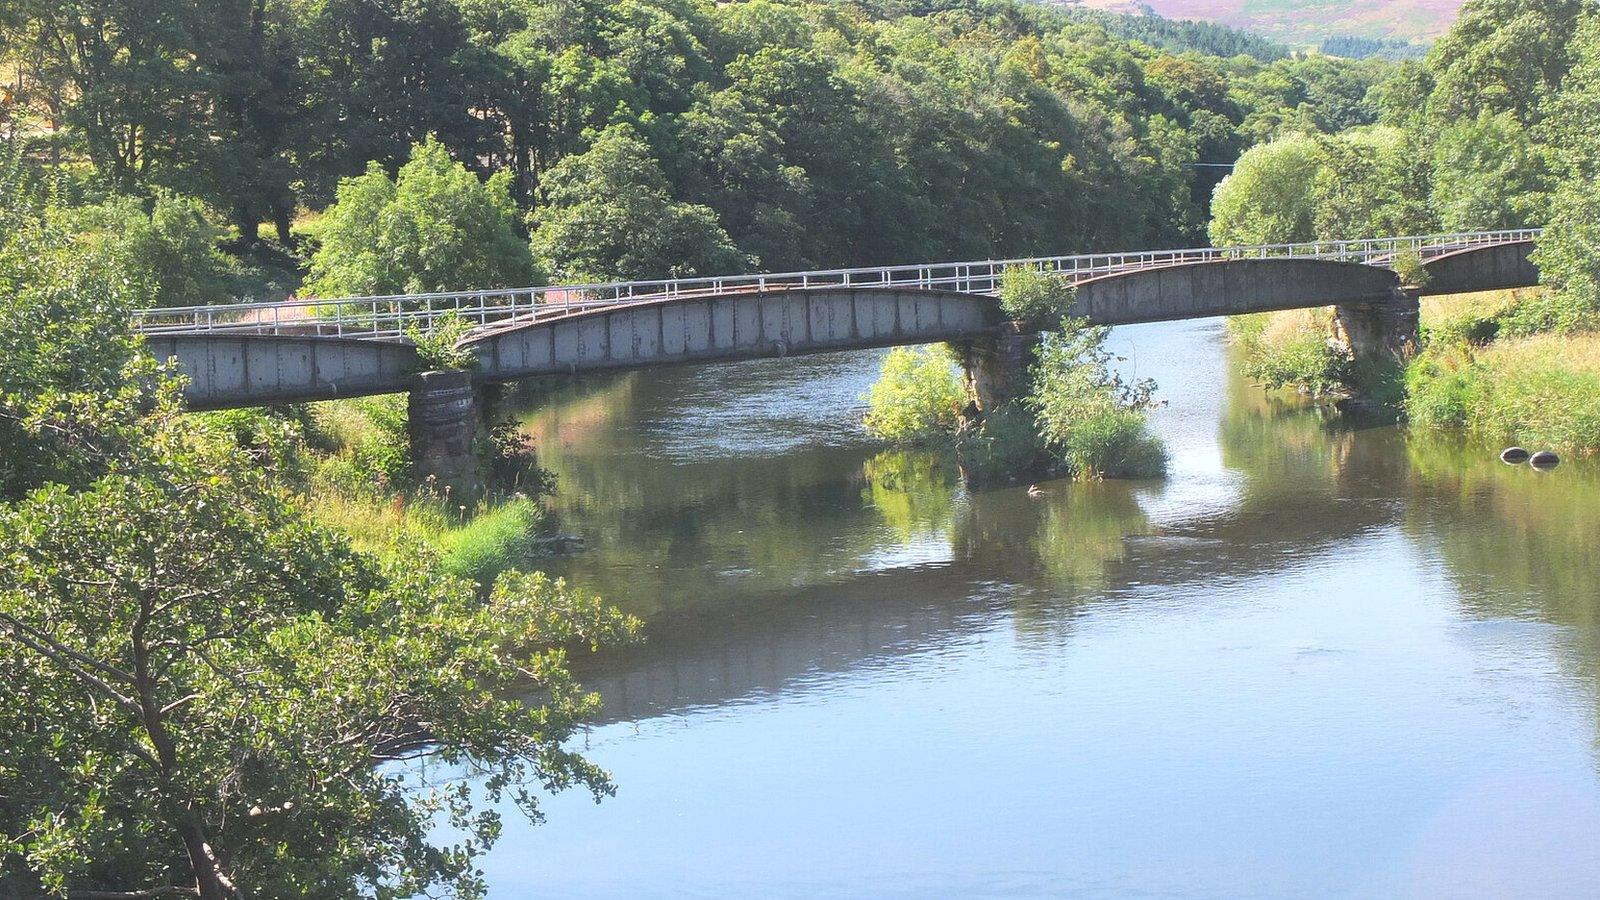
x,y
391,317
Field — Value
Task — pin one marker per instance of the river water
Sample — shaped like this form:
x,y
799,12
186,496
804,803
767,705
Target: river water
x,y
1313,661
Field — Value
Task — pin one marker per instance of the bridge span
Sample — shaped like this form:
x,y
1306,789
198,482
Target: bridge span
x,y
309,349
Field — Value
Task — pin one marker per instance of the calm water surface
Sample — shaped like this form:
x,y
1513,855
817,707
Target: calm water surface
x,y
1314,661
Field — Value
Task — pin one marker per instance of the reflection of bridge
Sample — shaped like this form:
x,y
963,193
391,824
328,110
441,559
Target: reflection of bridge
x,y
247,354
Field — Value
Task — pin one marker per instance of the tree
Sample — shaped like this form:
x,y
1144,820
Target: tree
x,y
1269,198
1568,254
607,213
1373,182
170,250
1502,56
203,693
1487,173
435,227
64,309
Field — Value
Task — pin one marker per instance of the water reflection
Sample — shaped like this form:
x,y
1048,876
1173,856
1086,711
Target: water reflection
x,y
1315,660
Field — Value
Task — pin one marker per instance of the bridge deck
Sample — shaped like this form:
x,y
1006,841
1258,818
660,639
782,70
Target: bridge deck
x,y
388,318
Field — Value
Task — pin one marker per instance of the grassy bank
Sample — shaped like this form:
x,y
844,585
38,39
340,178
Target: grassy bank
x,y
350,459
1541,391
1491,365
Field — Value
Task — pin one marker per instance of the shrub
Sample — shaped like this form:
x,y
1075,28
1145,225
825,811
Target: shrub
x,y
1408,265
916,399
435,227
1087,413
170,251
1004,446
1293,348
1034,298
438,347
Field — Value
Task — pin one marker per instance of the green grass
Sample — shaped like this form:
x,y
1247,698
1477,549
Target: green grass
x,y
1292,349
360,487
1541,392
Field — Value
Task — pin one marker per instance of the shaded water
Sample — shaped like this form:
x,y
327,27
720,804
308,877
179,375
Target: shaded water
x,y
1313,661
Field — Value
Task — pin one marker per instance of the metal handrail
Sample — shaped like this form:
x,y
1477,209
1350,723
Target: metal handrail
x,y
388,317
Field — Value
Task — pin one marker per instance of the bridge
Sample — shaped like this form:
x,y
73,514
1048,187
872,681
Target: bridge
x,y
248,354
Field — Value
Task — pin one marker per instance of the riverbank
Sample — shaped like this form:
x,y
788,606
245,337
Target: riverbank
x,y
349,461
1489,366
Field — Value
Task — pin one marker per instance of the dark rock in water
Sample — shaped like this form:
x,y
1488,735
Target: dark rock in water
x,y
1544,459
557,544
1513,455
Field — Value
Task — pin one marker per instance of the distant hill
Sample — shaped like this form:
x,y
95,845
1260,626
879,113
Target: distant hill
x,y
1177,36
1304,23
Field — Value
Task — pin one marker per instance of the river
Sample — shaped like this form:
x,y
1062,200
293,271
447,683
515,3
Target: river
x,y
1315,660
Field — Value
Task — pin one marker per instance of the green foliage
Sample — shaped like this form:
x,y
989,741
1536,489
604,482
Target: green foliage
x,y
439,346
171,250
64,339
203,691
1503,56
1087,413
1487,174
1543,391
494,541
1293,349
1004,447
1269,198
1409,266
783,134
1568,254
1034,298
368,443
269,672
1373,182
435,227
916,399
608,214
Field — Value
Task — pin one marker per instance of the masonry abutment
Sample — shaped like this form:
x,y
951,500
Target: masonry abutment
x,y
442,424
996,368
1381,329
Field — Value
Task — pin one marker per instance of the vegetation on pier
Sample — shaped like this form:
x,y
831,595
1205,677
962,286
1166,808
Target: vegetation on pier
x,y
1075,414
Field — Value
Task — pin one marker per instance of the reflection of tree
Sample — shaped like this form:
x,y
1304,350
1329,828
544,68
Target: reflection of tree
x,y
1517,541
914,492
1084,531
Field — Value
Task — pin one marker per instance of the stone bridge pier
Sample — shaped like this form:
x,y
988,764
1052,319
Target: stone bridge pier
x,y
1379,329
995,368
442,423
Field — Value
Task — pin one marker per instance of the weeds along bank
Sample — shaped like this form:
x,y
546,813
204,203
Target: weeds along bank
x,y
1518,366
349,459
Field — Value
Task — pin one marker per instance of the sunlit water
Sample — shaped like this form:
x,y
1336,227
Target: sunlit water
x,y
1313,661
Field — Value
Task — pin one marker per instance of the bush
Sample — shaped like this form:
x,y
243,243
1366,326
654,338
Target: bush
x,y
1087,414
1035,299
170,251
1293,348
1004,446
1408,265
917,398
438,346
